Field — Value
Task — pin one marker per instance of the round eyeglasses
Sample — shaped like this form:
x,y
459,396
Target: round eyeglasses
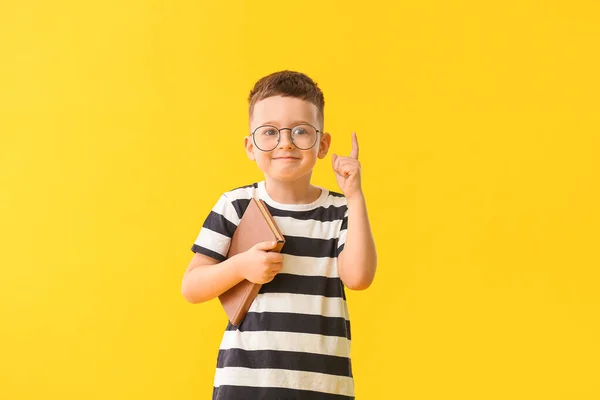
x,y
267,137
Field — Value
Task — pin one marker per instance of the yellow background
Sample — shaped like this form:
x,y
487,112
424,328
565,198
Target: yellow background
x,y
121,122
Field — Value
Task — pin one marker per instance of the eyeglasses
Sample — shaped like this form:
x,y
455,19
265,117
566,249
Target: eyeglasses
x,y
267,137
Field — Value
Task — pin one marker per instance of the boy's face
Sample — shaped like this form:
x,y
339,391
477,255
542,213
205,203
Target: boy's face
x,y
286,162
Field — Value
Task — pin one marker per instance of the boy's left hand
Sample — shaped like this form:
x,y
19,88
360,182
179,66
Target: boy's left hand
x,y
347,171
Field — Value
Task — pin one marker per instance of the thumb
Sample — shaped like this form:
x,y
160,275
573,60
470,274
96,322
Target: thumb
x,y
333,158
265,246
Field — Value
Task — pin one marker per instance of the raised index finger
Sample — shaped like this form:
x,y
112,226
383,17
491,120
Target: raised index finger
x,y
354,152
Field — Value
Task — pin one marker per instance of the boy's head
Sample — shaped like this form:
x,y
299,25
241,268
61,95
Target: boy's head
x,y
286,125
288,84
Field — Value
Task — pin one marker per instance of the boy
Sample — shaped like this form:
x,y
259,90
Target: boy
x,y
294,343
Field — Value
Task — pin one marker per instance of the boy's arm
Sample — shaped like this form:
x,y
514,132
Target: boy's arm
x,y
207,278
357,262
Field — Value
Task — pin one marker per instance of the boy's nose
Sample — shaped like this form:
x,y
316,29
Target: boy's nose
x,y
285,140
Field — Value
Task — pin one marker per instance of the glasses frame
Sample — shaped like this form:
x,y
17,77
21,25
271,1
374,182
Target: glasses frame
x,y
279,136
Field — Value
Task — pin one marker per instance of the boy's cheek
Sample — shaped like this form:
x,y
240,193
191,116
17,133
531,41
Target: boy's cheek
x,y
262,163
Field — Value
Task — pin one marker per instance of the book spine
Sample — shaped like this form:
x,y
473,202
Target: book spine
x,y
245,304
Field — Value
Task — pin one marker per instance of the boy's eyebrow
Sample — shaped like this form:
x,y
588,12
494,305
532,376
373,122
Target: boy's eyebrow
x,y
293,123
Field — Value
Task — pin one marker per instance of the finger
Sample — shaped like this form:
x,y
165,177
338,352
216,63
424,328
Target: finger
x,y
274,257
348,169
338,162
265,246
276,267
334,161
273,266
347,162
341,161
272,274
354,152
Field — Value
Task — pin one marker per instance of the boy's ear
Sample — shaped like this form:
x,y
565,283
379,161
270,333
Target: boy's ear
x,y
324,144
249,145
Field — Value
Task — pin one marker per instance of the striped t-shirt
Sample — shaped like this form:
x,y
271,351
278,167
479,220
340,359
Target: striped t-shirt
x,y
294,343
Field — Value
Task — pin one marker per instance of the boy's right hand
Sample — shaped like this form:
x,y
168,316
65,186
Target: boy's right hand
x,y
259,265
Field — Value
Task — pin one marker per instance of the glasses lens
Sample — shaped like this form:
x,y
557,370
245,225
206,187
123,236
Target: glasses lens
x,y
304,136
266,137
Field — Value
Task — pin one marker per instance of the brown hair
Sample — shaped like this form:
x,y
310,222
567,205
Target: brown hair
x,y
288,84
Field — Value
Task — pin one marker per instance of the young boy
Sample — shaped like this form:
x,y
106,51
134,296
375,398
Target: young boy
x,y
294,343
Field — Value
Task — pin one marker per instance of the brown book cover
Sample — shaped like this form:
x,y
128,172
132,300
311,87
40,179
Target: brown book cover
x,y
257,225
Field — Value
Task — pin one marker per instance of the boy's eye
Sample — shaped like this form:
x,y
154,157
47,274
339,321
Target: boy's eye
x,y
269,132
299,130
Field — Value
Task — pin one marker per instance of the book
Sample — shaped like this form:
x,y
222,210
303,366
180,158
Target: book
x,y
256,225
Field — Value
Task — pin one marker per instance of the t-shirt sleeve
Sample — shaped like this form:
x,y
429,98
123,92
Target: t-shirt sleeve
x,y
216,232
342,237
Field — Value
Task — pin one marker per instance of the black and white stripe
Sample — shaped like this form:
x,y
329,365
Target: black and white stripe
x,y
274,393
299,284
286,341
295,384
295,340
300,304
298,323
291,360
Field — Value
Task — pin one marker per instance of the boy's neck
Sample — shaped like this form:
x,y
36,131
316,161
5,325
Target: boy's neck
x,y
296,192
